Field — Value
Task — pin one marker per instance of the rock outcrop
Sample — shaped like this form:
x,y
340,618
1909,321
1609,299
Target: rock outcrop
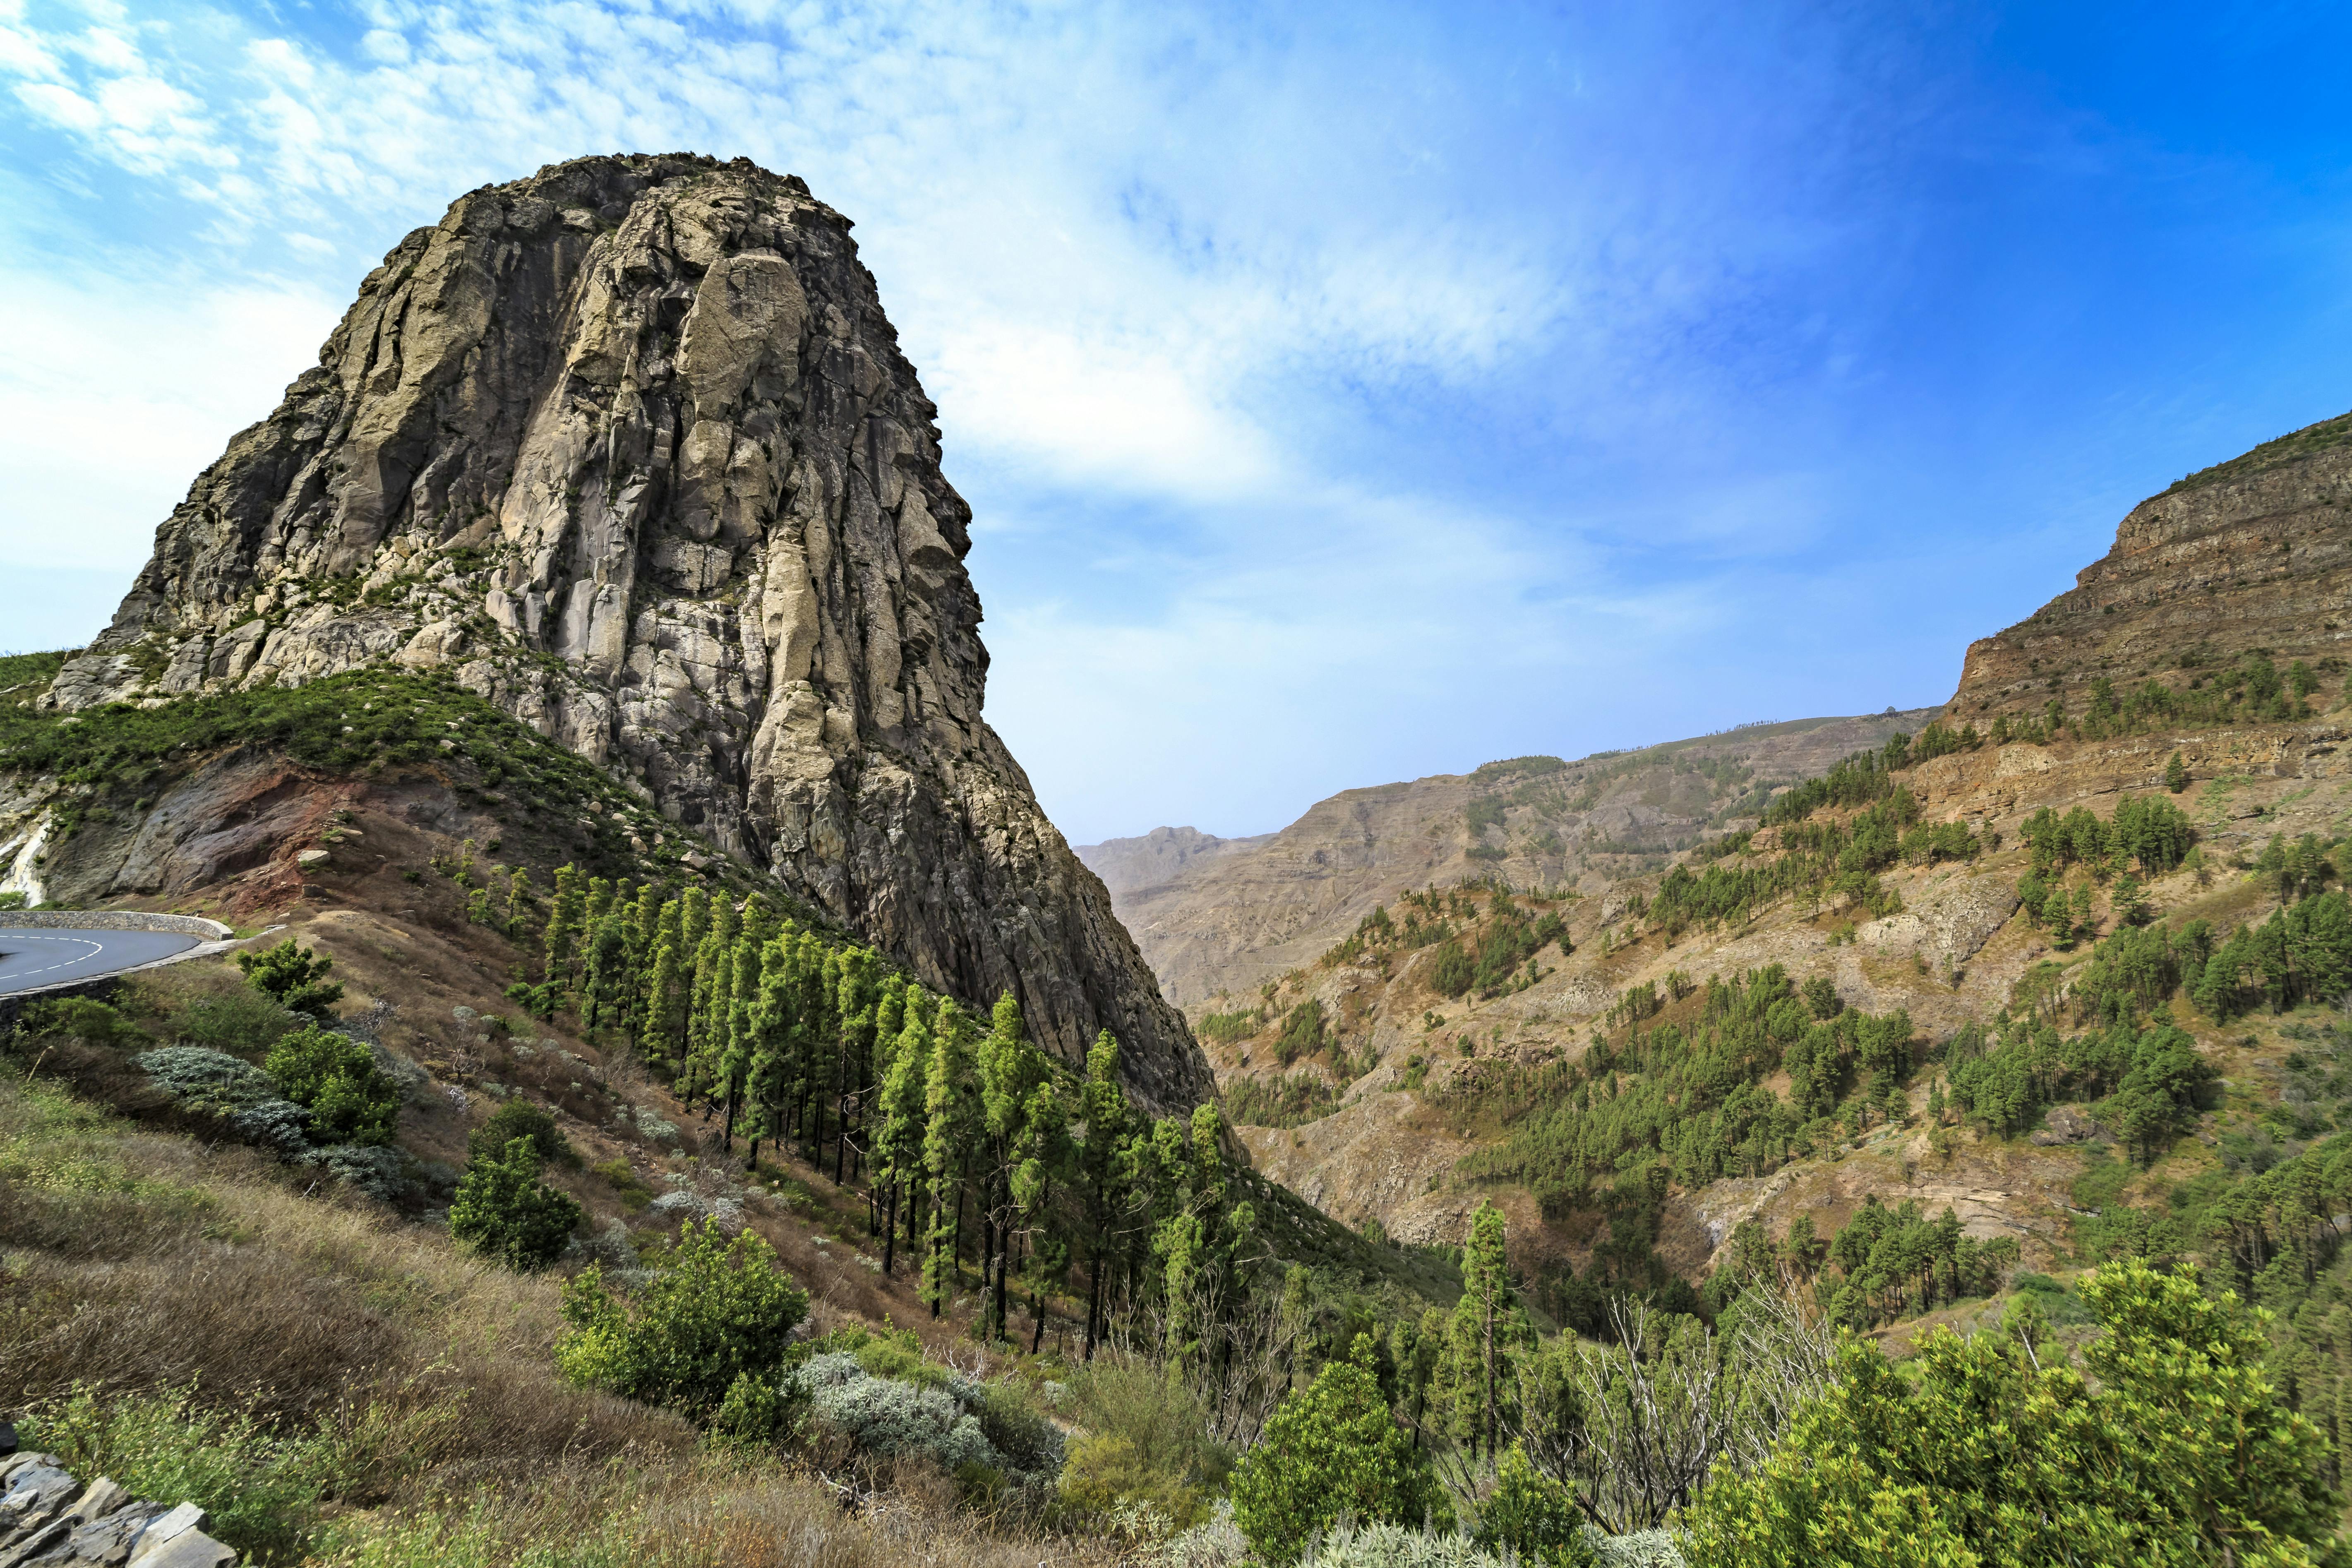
x,y
2254,553
629,448
49,1519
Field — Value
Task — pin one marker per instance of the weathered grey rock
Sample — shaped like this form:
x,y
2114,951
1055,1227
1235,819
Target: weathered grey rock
x,y
2068,1124
34,1489
629,448
49,1518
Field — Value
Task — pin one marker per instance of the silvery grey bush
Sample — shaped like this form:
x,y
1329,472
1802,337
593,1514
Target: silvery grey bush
x,y
886,1417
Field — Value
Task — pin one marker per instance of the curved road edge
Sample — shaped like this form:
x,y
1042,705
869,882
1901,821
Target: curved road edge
x,y
212,937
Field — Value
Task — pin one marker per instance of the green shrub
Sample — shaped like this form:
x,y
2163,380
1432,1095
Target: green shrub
x,y
242,1023
630,1188
504,1210
259,1492
2169,1445
522,1118
293,977
758,1411
1534,1516
215,1083
884,1352
336,1078
1148,1442
1332,1450
86,1019
718,1309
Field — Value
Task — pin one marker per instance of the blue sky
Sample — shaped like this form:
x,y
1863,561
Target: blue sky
x,y
1345,392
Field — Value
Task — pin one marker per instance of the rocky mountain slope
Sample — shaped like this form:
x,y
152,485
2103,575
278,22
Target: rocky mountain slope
x,y
1377,1076
1221,915
629,446
2254,553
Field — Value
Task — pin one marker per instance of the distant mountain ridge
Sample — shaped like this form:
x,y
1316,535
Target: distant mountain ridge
x,y
1219,915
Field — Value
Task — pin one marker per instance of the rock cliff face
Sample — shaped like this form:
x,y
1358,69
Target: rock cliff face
x,y
629,448
2256,553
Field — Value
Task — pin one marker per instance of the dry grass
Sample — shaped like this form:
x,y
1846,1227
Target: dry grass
x,y
138,1262
711,1513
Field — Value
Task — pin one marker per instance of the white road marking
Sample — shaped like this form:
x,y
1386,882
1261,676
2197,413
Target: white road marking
x,y
95,948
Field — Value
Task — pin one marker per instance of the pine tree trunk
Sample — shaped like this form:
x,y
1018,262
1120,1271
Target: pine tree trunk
x,y
890,1233
989,1326
1003,1260
1093,1303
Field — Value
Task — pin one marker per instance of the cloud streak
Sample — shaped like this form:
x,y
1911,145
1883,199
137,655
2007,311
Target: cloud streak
x,y
1342,392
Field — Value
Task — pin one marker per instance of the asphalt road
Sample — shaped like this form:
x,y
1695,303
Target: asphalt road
x,y
29,959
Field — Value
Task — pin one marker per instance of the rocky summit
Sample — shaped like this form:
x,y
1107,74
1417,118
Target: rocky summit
x,y
630,448
2254,554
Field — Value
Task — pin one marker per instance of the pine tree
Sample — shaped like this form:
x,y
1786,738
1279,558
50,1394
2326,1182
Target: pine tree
x,y
664,1012
1041,1158
607,982
1481,1322
2176,774
950,1114
899,1143
564,924
1202,1236
857,1004
818,1063
707,1024
518,900
1010,1069
733,1076
774,1020
1105,1169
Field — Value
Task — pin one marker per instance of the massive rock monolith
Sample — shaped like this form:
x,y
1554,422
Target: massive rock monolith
x,y
630,448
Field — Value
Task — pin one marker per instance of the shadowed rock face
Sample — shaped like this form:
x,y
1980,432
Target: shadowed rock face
x,y
630,448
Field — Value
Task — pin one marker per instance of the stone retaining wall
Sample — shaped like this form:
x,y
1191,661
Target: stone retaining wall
x,y
50,1519
114,919
213,937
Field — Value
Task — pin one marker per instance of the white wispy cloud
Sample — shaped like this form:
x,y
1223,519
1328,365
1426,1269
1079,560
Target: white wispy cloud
x,y
1146,257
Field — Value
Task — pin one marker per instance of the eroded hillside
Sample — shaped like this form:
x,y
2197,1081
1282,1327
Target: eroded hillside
x,y
1427,995
1217,915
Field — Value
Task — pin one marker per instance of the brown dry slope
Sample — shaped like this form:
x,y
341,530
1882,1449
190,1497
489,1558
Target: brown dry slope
x,y
630,448
1222,915
2233,592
